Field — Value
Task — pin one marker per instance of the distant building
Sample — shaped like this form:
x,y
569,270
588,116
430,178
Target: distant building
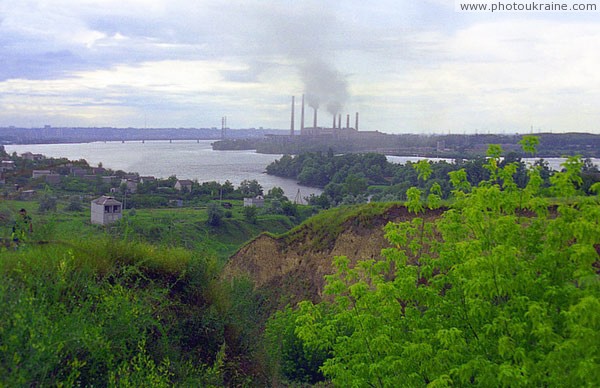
x,y
79,172
184,185
106,210
40,173
147,179
27,194
130,184
32,156
8,165
258,201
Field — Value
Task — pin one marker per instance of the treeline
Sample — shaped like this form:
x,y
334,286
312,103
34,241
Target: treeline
x,y
445,146
356,178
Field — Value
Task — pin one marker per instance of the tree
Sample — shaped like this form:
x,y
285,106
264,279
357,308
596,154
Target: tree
x,y
250,188
75,204
250,213
214,213
276,193
498,291
47,203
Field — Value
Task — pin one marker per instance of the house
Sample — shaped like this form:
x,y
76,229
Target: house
x,y
131,185
40,173
147,179
8,165
183,185
258,201
106,210
32,156
27,194
79,172
52,178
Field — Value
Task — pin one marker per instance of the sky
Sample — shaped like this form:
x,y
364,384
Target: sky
x,y
408,66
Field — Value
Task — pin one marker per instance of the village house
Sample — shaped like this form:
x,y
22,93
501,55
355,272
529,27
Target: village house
x,y
79,172
40,173
50,177
183,185
130,184
8,165
258,201
32,156
147,179
106,210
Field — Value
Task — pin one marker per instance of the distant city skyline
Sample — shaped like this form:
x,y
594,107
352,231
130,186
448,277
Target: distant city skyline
x,y
406,66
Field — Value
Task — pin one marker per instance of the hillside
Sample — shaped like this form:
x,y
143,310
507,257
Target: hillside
x,y
294,264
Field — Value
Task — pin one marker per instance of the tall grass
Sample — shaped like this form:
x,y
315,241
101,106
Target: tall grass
x,y
100,311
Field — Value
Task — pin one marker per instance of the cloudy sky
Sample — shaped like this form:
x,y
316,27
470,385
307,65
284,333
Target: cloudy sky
x,y
415,66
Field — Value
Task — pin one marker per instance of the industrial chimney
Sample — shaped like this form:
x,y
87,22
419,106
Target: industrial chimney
x,y
356,124
347,121
339,121
333,121
292,121
315,118
302,115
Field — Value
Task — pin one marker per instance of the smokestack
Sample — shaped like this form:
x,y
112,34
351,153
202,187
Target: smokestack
x,y
347,121
340,121
315,118
356,125
292,121
302,114
333,122
223,126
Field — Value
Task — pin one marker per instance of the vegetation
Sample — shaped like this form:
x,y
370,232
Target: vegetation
x,y
502,290
354,178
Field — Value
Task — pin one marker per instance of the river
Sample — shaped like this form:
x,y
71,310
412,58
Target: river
x,y
182,158
190,159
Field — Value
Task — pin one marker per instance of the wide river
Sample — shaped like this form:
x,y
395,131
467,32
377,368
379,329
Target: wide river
x,y
188,160
184,159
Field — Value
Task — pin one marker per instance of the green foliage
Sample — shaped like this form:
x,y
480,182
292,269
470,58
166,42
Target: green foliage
x,y
75,204
250,213
489,294
530,144
47,203
288,354
250,188
100,313
214,213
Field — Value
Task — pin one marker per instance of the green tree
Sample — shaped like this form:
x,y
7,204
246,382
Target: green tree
x,y
214,213
250,188
250,213
498,291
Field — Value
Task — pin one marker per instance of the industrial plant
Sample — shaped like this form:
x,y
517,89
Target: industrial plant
x,y
336,129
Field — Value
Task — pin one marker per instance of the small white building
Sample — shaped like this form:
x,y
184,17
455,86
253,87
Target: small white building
x,y
258,201
184,185
106,210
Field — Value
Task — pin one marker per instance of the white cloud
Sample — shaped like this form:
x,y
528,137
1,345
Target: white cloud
x,y
412,66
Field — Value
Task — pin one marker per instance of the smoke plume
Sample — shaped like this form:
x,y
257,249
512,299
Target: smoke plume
x,y
306,34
